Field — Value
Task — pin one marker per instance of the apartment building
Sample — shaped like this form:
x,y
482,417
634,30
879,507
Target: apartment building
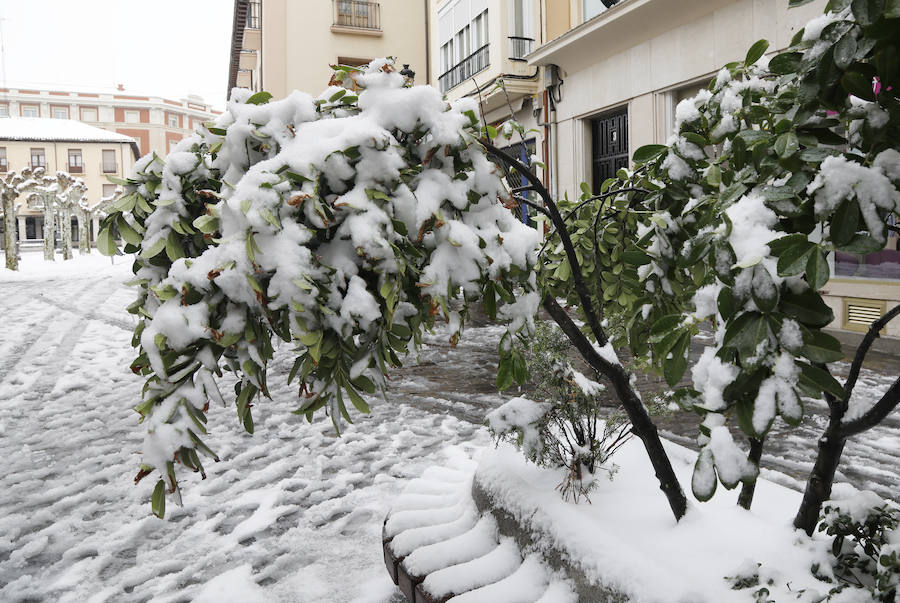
x,y
85,151
284,45
479,50
156,123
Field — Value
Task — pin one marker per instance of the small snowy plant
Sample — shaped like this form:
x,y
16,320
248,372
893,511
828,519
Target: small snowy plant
x,y
564,430
341,225
779,163
866,545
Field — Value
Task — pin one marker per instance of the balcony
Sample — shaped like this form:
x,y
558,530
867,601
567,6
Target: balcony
x,y
469,66
355,16
519,47
252,16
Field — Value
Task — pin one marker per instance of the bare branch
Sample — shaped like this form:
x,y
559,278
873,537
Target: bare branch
x,y
863,349
874,415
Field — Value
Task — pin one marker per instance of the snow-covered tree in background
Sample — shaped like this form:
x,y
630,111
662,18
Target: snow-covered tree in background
x,y
85,213
72,193
342,224
41,192
9,192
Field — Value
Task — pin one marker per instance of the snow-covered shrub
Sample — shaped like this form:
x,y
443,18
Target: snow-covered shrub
x,y
564,429
866,546
342,224
779,163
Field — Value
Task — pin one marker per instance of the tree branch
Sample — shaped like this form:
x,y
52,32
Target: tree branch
x,y
863,349
874,415
581,289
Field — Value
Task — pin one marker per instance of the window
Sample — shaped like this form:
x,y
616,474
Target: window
x,y
132,117
75,164
4,110
30,110
4,166
38,159
462,43
173,121
109,161
480,30
592,8
88,114
59,113
109,190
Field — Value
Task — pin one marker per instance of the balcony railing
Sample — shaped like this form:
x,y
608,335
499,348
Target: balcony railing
x,y
354,13
519,47
252,16
469,66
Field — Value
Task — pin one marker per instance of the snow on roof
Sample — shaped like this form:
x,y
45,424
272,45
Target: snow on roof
x,y
56,130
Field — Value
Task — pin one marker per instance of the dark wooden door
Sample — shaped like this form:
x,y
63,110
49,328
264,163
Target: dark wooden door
x,y
609,146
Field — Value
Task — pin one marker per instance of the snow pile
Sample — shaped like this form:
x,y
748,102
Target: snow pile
x,y
621,546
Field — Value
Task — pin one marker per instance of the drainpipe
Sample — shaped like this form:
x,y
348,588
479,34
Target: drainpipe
x,y
427,42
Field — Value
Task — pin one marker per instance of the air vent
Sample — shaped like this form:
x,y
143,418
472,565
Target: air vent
x,y
859,314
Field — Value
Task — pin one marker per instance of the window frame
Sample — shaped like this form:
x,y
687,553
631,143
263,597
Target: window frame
x,y
41,153
78,166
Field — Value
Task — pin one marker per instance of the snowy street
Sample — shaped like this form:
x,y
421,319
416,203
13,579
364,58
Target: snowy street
x,y
293,504
291,513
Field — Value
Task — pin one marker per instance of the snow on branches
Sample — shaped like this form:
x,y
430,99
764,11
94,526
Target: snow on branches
x,y
342,224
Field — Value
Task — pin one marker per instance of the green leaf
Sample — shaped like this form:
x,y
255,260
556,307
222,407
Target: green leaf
x,y
764,291
173,246
861,245
106,243
845,50
648,152
206,224
845,222
358,401
158,500
858,85
817,271
807,308
819,380
782,244
786,145
128,233
505,373
867,12
714,176
260,98
664,326
821,347
337,95
892,9
794,260
756,51
786,62
676,362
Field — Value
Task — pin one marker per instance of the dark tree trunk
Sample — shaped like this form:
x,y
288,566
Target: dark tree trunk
x,y
818,487
745,499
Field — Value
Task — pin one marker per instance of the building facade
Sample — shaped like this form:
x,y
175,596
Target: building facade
x,y
87,152
156,123
283,45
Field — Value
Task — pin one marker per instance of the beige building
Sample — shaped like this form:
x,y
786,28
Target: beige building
x,y
285,45
85,151
156,123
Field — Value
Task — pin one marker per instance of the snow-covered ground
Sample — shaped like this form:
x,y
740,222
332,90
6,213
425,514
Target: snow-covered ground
x,y
292,513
